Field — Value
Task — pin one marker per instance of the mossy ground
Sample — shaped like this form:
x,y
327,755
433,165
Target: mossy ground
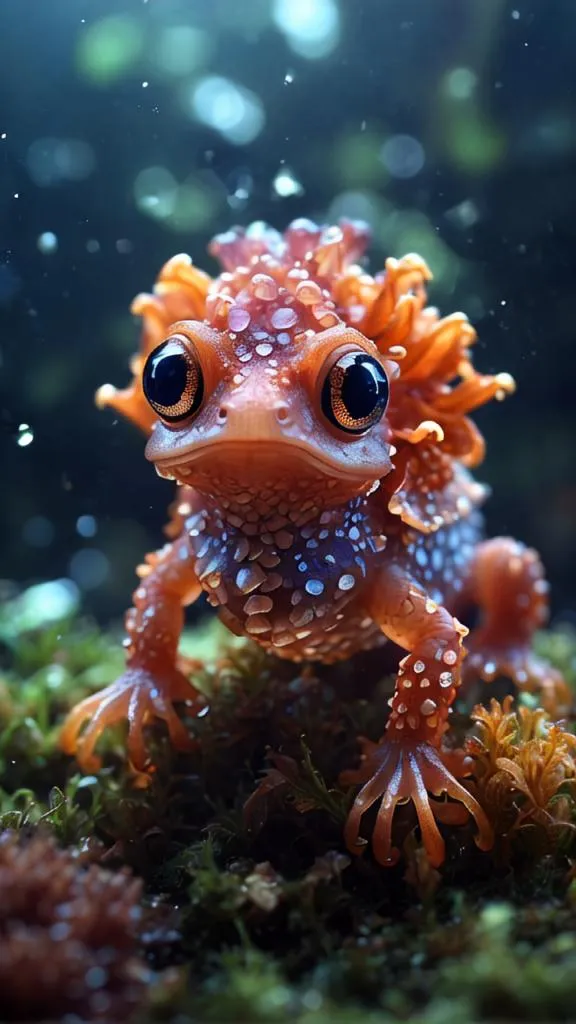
x,y
259,914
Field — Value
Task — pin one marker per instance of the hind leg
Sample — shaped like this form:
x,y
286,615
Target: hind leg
x,y
507,582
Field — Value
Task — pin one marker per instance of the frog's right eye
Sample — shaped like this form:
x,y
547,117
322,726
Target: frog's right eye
x,y
172,380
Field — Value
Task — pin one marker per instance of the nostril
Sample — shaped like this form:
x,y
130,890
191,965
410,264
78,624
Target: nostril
x,y
282,413
222,413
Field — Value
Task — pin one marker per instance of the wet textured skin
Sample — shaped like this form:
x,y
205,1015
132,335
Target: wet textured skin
x,y
313,540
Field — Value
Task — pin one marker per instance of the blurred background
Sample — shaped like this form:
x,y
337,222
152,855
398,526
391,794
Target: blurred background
x,y
134,129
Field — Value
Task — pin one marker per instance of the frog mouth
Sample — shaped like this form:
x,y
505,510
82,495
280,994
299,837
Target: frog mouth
x,y
262,460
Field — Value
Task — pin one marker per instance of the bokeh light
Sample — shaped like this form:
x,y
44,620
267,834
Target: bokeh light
x,y
234,111
155,191
109,47
51,161
181,49
403,156
311,27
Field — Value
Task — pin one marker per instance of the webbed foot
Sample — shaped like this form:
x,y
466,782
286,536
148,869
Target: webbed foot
x,y
137,697
395,772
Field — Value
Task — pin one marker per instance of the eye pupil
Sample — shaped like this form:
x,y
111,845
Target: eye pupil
x,y
355,392
167,378
360,388
172,381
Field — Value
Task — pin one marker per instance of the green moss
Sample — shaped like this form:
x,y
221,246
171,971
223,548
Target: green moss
x,y
255,911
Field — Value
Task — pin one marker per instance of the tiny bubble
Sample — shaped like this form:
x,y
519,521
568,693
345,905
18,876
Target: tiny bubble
x,y
145,85
16,195
515,15
288,78
25,436
3,135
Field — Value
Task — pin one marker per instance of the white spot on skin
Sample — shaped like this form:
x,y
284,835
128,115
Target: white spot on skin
x,y
346,582
428,707
449,657
314,587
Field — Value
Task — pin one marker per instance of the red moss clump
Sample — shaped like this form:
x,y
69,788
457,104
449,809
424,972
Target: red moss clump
x,y
67,936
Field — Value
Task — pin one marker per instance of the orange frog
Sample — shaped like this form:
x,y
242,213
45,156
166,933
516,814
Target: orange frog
x,y
315,420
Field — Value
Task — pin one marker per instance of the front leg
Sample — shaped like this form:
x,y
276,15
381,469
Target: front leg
x,y
407,763
152,681
506,580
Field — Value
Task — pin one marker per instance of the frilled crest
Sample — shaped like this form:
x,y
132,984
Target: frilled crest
x,y
436,386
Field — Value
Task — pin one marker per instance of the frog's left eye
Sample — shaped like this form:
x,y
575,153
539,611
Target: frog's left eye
x,y
355,392
172,380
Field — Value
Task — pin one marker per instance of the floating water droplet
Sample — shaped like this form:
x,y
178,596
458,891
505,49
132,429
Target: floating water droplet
x,y
25,435
286,183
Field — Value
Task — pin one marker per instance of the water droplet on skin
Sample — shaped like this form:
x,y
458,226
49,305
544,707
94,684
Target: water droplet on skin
x,y
238,319
283,318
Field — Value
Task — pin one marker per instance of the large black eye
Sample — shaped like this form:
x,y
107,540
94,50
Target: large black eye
x,y
172,380
355,392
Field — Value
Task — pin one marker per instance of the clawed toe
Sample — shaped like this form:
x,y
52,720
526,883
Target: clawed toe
x,y
395,773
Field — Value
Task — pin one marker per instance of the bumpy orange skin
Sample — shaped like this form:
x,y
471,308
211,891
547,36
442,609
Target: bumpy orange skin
x,y
313,542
